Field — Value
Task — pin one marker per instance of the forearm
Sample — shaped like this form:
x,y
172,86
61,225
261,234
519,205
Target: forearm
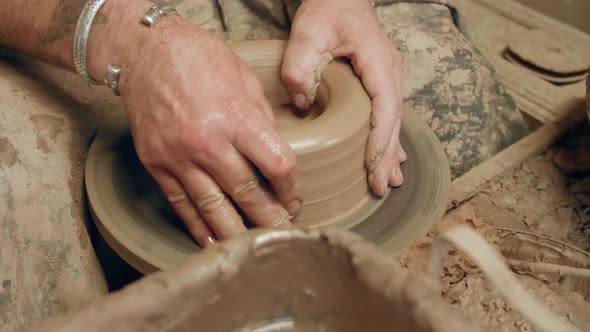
x,y
45,30
39,28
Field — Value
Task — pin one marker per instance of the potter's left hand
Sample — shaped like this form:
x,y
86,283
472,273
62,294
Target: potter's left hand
x,y
349,28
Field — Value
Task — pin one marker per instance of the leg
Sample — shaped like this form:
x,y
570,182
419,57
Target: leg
x,y
451,85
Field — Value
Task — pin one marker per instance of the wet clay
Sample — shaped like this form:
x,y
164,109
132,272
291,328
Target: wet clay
x,y
329,141
330,144
275,280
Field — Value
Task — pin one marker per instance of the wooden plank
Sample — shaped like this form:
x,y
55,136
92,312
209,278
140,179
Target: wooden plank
x,y
471,183
538,98
489,29
532,19
484,27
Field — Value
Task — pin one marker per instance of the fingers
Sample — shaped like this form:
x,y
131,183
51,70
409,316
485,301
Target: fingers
x,y
379,179
262,145
382,176
302,57
184,207
396,177
212,203
237,178
380,68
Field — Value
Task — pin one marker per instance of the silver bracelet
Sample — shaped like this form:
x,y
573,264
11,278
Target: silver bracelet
x,y
111,79
81,38
155,12
113,72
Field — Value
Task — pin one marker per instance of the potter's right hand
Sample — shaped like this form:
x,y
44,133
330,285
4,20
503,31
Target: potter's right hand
x,y
202,127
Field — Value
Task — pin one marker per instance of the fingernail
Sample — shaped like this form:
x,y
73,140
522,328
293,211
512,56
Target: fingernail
x,y
293,207
300,100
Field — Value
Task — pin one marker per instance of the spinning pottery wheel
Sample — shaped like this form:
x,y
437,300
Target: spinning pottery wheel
x,y
329,141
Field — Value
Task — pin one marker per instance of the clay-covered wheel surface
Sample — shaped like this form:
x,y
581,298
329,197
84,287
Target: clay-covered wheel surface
x,y
136,221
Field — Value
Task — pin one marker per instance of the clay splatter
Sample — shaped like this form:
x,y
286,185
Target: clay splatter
x,y
8,154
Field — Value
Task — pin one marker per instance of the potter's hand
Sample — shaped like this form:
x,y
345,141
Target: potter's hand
x,y
201,125
349,28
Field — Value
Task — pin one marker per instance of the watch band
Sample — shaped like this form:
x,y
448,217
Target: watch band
x,y
81,38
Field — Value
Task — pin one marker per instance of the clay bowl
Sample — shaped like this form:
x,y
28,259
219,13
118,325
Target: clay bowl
x,y
275,280
329,142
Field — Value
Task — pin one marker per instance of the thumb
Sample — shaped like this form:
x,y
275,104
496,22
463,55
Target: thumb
x,y
302,68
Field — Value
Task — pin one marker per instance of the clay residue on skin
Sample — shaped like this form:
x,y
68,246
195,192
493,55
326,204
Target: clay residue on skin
x,y
327,57
8,154
372,153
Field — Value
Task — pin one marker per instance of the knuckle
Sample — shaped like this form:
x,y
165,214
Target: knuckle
x,y
148,159
283,166
230,106
303,31
150,155
278,220
177,198
211,202
248,192
191,141
293,77
232,232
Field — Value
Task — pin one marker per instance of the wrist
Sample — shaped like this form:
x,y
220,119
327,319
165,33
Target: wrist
x,y
123,40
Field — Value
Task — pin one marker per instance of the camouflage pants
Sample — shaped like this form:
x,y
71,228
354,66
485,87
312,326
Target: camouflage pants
x,y
448,82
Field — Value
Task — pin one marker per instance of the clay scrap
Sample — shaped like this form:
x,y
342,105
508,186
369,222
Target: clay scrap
x,y
304,280
275,280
